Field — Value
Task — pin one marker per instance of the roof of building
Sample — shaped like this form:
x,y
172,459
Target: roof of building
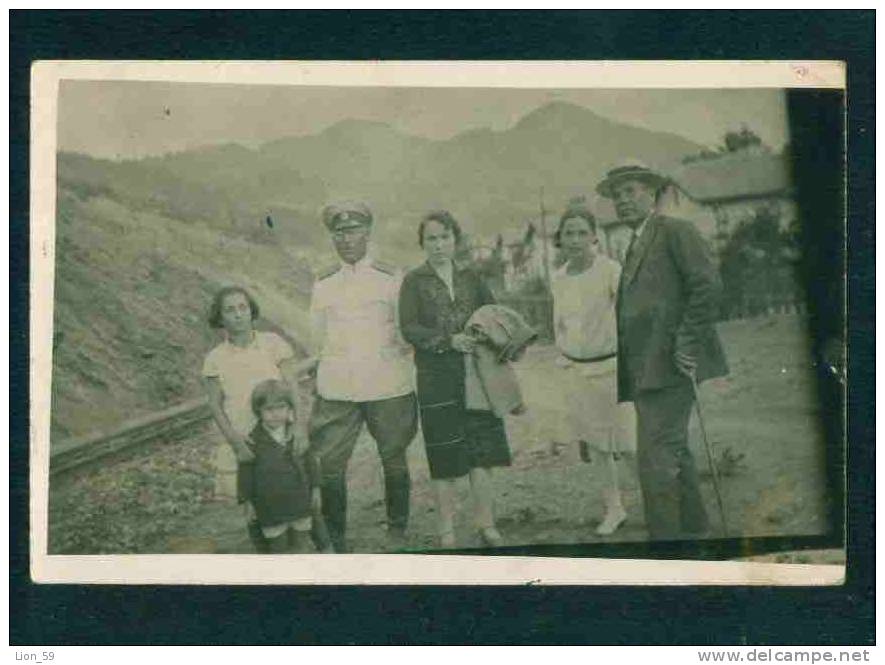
x,y
734,177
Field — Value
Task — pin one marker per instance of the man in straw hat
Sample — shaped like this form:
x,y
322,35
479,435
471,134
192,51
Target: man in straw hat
x,y
666,340
364,374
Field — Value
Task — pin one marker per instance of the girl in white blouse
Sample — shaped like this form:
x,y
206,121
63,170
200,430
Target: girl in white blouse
x,y
585,290
231,370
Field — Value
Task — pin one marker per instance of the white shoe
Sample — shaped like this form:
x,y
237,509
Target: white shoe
x,y
447,540
491,537
614,517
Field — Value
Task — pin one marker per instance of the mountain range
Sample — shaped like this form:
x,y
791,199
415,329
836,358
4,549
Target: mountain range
x,y
489,179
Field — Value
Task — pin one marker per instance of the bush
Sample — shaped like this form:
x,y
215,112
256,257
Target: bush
x,y
757,265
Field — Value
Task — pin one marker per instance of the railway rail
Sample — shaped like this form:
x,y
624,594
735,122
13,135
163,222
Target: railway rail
x,y
171,422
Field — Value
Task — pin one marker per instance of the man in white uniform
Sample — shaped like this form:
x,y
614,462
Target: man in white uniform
x,y
364,374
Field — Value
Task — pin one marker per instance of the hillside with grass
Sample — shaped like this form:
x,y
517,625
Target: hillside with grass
x,y
132,292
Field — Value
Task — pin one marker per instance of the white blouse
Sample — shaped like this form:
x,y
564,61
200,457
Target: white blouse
x,y
240,369
584,309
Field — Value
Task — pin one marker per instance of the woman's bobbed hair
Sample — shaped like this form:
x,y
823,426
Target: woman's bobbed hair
x,y
445,219
215,320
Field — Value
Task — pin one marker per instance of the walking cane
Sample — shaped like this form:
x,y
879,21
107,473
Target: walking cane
x,y
714,472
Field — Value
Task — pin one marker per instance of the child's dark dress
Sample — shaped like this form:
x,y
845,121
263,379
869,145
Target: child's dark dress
x,y
277,482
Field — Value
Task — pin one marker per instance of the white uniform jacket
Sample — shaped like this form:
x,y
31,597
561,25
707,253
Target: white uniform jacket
x,y
362,355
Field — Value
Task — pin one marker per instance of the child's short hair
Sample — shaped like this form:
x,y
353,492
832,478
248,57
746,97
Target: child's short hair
x,y
269,392
222,293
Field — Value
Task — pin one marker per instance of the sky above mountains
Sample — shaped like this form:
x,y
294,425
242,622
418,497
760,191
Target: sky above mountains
x,y
128,119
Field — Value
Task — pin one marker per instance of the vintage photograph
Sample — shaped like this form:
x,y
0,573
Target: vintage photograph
x,y
301,319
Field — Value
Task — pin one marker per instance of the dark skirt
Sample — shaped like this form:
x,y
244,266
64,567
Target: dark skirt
x,y
276,482
456,439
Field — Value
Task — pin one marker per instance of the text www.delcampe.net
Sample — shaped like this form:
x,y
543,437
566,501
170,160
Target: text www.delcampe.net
x,y
784,656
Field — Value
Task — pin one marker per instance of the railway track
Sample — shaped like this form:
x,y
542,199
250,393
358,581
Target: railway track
x,y
175,421
170,423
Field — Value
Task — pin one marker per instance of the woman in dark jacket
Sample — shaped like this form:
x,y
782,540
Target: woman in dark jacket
x,y
436,301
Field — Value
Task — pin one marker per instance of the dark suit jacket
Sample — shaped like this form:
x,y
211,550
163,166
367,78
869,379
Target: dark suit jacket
x,y
667,301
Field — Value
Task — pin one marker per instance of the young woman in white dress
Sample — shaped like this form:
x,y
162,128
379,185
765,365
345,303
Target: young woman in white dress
x,y
585,291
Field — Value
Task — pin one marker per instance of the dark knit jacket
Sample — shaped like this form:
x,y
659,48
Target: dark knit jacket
x,y
277,481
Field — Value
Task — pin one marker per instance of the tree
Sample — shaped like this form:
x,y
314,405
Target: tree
x,y
702,155
742,140
734,141
758,264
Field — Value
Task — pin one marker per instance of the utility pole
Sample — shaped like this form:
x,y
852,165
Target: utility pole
x,y
547,304
544,239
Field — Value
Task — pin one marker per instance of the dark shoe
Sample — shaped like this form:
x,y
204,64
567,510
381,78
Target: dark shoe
x,y
556,448
334,502
339,544
319,534
703,533
259,542
396,538
278,545
299,542
397,491
584,450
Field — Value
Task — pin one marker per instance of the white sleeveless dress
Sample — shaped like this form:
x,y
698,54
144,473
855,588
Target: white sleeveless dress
x,y
586,330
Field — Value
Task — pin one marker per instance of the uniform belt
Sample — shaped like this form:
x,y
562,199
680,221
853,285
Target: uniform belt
x,y
594,359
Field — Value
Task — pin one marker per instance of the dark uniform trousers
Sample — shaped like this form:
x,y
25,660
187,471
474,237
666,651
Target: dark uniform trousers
x,y
334,429
670,487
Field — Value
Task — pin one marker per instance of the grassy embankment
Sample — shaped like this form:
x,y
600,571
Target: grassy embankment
x,y
132,290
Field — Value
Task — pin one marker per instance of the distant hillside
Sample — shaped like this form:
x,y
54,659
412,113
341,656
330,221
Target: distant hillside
x,y
489,179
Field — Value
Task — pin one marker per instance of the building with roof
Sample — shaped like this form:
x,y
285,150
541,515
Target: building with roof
x,y
716,193
732,187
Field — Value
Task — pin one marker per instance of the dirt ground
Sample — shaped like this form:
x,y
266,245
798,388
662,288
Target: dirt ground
x,y
762,420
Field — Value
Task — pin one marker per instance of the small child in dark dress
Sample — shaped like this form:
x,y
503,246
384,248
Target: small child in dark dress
x,y
280,483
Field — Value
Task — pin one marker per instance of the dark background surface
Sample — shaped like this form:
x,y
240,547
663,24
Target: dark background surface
x,y
71,614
